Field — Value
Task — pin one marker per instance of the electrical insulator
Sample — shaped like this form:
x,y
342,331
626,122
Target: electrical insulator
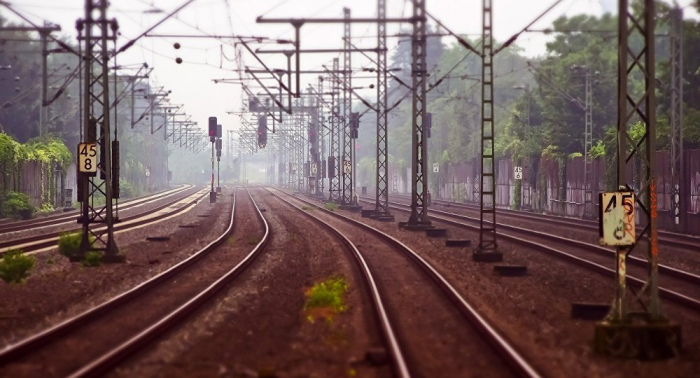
x,y
428,123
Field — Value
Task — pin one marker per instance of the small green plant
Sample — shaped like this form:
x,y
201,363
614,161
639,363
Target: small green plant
x,y
325,299
45,208
330,206
307,208
253,240
15,266
92,259
17,205
69,243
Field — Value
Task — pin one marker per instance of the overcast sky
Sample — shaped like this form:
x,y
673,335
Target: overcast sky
x,y
191,82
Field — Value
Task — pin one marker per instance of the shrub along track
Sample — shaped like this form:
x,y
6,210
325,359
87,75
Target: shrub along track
x,y
427,312
95,341
162,208
679,286
70,216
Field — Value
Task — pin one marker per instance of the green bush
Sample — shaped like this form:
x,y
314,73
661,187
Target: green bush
x,y
15,266
45,208
91,259
69,243
126,189
327,294
17,205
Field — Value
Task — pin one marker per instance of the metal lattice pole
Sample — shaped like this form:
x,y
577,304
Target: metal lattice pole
x,y
334,189
382,199
321,138
678,208
588,185
638,328
98,34
347,109
419,172
488,245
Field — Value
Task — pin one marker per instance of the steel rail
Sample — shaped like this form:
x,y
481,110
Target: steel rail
x,y
99,366
674,272
689,242
679,298
103,364
505,350
36,242
399,361
69,216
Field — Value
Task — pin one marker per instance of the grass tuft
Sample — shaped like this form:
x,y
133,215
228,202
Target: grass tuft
x,y
15,266
307,208
92,259
325,299
69,243
330,206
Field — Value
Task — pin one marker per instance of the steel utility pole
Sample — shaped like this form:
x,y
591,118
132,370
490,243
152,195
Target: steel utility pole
x,y
381,206
347,109
679,186
419,172
487,251
647,334
335,168
96,33
588,184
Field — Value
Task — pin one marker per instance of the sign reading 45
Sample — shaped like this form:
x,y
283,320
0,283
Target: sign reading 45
x,y
617,227
87,158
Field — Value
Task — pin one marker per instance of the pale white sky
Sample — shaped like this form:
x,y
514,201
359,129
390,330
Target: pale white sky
x,y
191,82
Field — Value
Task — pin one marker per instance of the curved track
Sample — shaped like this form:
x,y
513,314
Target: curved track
x,y
77,334
70,216
685,285
172,207
689,242
504,352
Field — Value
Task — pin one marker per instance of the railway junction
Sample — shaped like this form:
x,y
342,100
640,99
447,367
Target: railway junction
x,y
382,193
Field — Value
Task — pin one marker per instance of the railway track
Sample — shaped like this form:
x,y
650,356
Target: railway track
x,y
46,241
685,286
429,291
70,216
672,239
97,340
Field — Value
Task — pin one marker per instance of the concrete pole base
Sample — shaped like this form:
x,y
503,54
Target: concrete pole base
x,y
639,339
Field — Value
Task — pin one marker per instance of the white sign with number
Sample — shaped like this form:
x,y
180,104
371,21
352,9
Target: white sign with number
x,y
314,168
617,217
436,167
87,158
347,167
518,173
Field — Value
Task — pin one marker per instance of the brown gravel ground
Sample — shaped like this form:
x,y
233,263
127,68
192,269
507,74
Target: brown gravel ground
x,y
58,289
259,323
534,311
436,338
675,257
72,225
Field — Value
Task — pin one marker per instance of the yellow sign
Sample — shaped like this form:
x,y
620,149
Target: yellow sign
x,y
87,158
617,219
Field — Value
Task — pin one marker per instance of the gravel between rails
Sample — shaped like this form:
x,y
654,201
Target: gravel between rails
x,y
534,311
259,323
72,350
432,331
57,289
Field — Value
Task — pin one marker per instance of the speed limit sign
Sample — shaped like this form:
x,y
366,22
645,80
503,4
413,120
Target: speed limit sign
x,y
87,158
347,167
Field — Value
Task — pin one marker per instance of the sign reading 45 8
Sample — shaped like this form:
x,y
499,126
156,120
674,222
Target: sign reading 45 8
x,y
87,158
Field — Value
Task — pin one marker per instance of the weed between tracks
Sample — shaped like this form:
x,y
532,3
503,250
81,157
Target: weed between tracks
x,y
253,240
307,208
330,206
15,266
325,299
